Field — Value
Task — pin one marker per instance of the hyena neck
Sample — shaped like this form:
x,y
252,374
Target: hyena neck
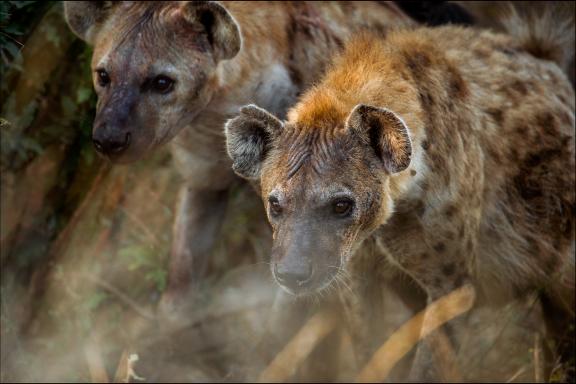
x,y
269,86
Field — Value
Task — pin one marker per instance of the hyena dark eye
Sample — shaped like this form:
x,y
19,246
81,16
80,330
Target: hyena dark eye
x,y
162,84
343,207
275,208
103,77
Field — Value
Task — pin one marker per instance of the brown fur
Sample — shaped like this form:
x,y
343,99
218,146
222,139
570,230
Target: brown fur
x,y
488,198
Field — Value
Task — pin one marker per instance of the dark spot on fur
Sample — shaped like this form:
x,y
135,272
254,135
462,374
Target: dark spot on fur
x,y
417,62
492,233
548,122
495,155
470,245
533,248
563,99
440,247
457,88
420,208
426,99
449,235
423,256
438,281
425,145
483,53
521,129
514,155
459,280
507,51
450,211
496,115
412,172
448,269
520,86
565,118
552,264
438,162
534,159
461,232
518,292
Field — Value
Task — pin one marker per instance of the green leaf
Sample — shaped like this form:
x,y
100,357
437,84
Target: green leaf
x,y
83,94
136,256
95,300
159,277
68,105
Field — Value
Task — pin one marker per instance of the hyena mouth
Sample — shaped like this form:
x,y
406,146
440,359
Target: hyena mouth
x,y
317,285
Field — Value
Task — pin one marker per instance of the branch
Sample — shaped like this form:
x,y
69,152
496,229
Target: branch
x,y
297,350
408,335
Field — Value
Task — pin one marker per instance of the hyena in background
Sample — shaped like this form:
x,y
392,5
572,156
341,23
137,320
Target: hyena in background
x,y
451,148
175,71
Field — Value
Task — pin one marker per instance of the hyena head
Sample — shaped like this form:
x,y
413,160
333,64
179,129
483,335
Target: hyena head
x,y
153,67
325,185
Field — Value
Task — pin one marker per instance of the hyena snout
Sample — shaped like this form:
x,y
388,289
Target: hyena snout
x,y
109,140
295,276
305,260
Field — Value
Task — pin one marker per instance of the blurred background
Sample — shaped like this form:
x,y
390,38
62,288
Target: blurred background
x,y
84,249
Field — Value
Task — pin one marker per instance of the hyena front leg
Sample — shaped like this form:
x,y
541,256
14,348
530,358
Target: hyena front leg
x,y
439,263
359,290
356,312
435,357
199,216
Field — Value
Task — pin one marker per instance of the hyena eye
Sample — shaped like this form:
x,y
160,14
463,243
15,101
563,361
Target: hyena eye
x,y
103,77
275,208
162,84
343,207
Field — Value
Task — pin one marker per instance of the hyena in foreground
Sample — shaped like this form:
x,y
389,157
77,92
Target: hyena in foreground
x,y
451,148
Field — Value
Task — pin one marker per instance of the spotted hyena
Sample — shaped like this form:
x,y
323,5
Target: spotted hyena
x,y
451,148
175,71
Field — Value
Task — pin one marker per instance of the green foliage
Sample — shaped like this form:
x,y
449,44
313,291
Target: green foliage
x,y
17,19
93,301
144,259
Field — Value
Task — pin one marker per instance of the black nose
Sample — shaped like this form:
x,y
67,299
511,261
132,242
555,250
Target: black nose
x,y
111,144
293,276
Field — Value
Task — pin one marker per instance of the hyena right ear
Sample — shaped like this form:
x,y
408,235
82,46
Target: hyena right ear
x,y
84,17
385,132
248,139
223,31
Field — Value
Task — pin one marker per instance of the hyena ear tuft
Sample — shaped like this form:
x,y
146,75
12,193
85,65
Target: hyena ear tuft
x,y
248,139
223,31
84,17
385,132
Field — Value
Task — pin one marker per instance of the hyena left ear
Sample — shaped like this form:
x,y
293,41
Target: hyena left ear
x,y
249,137
84,17
223,31
385,132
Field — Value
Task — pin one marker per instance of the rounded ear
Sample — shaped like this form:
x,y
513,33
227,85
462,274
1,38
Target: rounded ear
x,y
385,132
223,31
248,139
84,17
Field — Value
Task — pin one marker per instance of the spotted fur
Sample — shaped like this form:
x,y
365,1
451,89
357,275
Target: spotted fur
x,y
484,192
